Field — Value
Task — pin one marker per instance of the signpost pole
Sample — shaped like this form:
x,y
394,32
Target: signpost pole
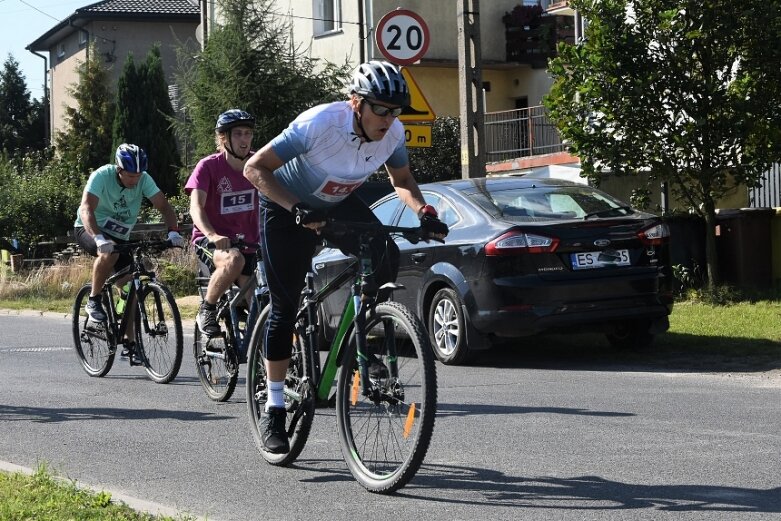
x,y
470,75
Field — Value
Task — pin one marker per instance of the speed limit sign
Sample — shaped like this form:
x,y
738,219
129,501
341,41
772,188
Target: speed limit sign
x,y
402,36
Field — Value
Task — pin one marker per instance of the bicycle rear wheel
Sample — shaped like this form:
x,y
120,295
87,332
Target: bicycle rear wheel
x,y
385,438
299,395
93,343
217,367
159,334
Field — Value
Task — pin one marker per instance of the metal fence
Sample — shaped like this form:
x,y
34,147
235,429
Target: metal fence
x,y
768,195
510,134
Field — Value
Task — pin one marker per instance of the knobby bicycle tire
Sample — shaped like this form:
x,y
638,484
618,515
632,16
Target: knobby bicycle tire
x,y
91,340
160,342
218,371
300,411
385,441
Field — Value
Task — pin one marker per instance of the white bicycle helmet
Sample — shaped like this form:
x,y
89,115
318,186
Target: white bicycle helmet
x,y
381,81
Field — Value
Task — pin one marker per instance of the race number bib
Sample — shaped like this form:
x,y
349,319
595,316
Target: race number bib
x,y
335,189
116,228
236,202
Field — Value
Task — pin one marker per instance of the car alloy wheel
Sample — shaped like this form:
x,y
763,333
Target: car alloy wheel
x,y
447,328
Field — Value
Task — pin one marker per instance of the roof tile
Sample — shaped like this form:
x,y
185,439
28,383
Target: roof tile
x,y
142,6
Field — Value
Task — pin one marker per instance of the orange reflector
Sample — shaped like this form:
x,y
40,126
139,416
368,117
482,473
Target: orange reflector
x,y
410,420
356,385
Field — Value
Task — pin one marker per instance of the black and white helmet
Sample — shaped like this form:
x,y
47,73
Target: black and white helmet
x,y
131,158
234,118
381,81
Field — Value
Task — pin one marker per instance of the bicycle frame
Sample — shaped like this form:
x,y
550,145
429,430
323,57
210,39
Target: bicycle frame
x,y
119,322
354,313
239,336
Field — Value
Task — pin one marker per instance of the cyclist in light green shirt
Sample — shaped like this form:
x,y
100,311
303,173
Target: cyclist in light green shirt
x,y
109,211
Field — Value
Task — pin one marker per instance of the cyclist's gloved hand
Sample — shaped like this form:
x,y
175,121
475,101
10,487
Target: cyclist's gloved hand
x,y
305,214
430,223
177,241
104,245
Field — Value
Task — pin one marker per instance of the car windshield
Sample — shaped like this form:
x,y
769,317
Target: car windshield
x,y
544,203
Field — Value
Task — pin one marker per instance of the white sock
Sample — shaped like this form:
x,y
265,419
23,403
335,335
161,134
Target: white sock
x,y
276,394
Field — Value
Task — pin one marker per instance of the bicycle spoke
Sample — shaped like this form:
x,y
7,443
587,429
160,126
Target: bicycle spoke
x,y
216,364
159,332
385,433
91,339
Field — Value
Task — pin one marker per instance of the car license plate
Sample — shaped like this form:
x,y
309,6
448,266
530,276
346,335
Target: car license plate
x,y
600,259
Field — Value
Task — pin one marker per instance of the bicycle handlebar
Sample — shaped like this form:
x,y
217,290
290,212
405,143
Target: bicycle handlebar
x,y
412,234
240,243
144,246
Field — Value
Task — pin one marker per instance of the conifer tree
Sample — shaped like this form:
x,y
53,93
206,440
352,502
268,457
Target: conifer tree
x,y
21,120
250,63
86,142
144,118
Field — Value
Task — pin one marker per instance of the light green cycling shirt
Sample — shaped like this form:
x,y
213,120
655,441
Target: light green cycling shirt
x,y
118,207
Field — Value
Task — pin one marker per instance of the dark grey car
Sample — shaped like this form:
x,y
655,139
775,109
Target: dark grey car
x,y
525,256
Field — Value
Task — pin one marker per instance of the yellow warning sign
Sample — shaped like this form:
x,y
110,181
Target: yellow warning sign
x,y
419,109
417,135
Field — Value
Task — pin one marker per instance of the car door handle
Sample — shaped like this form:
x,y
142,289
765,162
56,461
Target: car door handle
x,y
419,257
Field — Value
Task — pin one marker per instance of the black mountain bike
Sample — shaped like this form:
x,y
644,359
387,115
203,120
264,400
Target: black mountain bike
x,y
158,326
386,391
217,359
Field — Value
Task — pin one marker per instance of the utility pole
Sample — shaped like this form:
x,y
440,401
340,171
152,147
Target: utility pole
x,y
470,75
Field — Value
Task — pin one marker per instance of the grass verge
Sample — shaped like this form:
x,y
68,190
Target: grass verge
x,y
43,496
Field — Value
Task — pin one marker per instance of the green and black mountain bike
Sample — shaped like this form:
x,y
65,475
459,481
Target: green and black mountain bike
x,y
381,360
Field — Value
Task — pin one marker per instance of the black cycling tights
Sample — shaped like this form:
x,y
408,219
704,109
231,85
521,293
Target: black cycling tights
x,y
287,251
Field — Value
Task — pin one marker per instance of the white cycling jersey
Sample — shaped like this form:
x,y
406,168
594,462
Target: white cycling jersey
x,y
325,161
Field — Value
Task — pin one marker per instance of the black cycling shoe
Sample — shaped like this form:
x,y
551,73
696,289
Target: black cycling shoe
x,y
207,321
274,435
94,309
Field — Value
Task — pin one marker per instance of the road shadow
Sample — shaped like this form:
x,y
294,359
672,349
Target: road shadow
x,y
461,409
587,492
490,488
593,352
66,414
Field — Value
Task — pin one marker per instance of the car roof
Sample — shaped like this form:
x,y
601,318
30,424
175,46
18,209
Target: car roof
x,y
478,184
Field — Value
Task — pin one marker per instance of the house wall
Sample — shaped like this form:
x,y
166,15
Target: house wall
x,y
114,40
437,73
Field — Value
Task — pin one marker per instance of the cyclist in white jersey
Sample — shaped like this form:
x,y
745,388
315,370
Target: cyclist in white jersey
x,y
309,172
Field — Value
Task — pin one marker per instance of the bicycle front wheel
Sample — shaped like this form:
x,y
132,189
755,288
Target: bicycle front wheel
x,y
385,436
217,366
93,343
159,334
299,395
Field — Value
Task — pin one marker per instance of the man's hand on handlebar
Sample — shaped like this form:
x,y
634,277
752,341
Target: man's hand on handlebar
x,y
308,217
220,242
430,224
104,245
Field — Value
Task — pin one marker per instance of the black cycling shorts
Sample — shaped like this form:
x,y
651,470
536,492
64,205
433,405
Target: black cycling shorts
x,y
204,253
87,243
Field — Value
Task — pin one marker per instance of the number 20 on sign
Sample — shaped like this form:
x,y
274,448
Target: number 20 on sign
x,y
402,36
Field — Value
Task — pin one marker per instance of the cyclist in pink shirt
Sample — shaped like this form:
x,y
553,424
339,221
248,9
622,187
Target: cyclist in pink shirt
x,y
224,204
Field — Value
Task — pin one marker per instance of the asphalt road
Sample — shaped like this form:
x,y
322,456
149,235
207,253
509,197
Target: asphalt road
x,y
521,435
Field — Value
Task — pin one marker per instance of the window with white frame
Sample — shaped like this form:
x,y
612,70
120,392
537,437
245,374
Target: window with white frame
x,y
83,38
61,51
327,15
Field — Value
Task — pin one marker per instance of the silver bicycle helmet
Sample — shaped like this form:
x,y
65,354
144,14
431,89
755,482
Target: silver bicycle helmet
x,y
131,158
381,81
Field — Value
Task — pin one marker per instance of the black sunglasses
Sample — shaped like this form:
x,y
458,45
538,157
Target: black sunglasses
x,y
383,111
